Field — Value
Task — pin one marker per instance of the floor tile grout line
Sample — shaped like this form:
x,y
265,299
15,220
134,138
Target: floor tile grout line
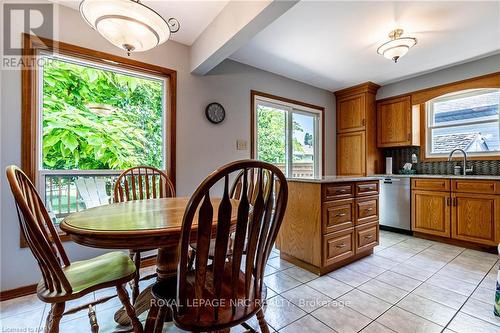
x,y
477,286
393,305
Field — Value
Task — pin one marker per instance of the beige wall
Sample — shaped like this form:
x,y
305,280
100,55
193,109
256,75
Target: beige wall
x,y
201,146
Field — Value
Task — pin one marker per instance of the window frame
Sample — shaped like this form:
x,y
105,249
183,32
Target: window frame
x,y
429,126
33,47
295,107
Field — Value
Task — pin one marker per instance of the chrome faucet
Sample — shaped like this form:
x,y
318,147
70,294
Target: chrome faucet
x,y
465,170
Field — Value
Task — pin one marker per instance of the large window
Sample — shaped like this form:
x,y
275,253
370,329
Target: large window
x,y
466,119
92,119
288,135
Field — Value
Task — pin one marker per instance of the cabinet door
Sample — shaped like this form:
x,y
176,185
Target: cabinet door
x,y
351,154
338,246
430,212
394,119
351,115
476,218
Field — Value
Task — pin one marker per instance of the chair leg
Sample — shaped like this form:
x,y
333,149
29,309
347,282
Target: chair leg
x,y
160,319
151,320
94,327
123,296
134,284
54,317
262,322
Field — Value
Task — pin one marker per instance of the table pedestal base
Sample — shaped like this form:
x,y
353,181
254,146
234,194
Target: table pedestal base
x,y
166,268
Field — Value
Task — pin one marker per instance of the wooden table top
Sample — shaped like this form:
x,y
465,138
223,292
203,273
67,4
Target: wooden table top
x,y
109,225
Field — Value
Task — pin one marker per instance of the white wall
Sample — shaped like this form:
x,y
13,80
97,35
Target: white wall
x,y
460,72
201,146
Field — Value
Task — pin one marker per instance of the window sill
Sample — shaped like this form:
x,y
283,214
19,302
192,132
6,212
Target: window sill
x,y
64,237
459,158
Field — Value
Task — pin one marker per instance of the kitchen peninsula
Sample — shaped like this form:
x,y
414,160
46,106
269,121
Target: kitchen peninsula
x,y
330,222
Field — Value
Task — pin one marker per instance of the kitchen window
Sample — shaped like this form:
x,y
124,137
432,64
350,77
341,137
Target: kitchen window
x,y
467,119
91,118
288,134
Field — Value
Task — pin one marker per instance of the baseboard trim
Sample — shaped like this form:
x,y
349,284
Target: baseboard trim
x,y
17,292
396,230
31,289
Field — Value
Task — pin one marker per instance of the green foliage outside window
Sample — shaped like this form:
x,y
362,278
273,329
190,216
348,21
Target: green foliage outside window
x,y
271,125
100,119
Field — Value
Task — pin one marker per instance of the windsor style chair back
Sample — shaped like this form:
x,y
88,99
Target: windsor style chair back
x,y
140,183
229,289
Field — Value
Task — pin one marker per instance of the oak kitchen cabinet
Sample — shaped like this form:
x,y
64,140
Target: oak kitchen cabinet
x,y
329,223
351,154
398,123
466,210
357,152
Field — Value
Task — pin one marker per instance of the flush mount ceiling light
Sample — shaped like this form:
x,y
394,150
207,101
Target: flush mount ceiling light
x,y
397,47
128,24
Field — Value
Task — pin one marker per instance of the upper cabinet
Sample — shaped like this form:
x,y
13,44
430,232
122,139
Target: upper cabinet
x,y
357,152
398,123
351,113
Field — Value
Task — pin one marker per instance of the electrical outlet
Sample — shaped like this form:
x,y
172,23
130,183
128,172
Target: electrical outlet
x,y
241,144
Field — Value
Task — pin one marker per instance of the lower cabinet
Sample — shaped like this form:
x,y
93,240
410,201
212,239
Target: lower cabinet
x,y
367,237
475,218
469,210
431,212
338,246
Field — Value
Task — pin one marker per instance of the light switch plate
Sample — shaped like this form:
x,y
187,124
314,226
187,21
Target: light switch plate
x,y
241,144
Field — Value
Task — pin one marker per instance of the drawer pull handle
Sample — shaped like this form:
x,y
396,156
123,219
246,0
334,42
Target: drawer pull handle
x,y
369,209
340,215
341,246
342,191
368,236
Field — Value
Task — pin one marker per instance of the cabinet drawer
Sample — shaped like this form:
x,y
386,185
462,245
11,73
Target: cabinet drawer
x,y
366,210
475,186
338,246
366,189
338,215
337,191
367,237
430,184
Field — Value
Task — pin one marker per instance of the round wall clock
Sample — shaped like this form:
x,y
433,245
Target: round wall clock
x,y
215,113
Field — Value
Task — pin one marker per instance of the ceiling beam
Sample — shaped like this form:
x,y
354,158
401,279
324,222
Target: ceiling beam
x,y
235,25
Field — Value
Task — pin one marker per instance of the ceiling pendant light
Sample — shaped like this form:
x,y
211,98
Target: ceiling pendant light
x,y
397,47
128,24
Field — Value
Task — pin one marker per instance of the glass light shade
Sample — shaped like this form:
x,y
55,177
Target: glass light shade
x,y
396,48
126,24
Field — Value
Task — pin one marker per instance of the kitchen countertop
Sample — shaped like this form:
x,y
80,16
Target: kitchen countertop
x,y
477,177
335,179
340,179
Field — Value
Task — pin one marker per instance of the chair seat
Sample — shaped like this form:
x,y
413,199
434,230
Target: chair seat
x,y
88,275
201,318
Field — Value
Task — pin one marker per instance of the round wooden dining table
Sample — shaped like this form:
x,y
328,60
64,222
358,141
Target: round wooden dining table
x,y
135,225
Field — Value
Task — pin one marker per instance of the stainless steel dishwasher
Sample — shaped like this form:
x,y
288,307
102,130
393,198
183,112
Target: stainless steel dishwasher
x,y
395,201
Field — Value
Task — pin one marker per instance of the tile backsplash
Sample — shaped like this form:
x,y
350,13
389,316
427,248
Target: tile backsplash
x,y
400,156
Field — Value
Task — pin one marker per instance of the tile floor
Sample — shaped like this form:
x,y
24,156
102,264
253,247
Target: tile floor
x,y
407,285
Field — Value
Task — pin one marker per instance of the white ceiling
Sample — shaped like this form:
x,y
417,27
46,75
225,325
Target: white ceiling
x,y
194,16
333,45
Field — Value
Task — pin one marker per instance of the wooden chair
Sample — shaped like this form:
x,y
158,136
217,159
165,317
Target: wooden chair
x,y
140,183
235,193
63,281
227,294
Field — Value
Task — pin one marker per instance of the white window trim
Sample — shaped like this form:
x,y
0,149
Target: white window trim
x,y
292,108
429,126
